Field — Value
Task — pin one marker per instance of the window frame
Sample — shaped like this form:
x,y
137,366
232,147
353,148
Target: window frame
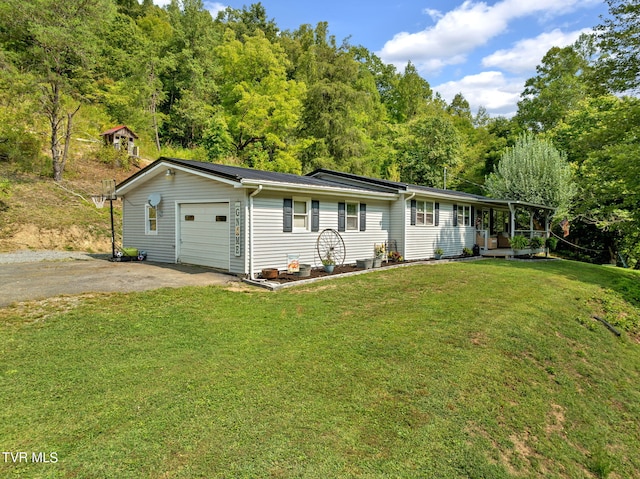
x,y
148,219
347,215
425,212
464,215
306,215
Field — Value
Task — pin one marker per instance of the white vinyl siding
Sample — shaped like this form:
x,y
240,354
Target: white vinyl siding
x,y
421,242
272,245
183,187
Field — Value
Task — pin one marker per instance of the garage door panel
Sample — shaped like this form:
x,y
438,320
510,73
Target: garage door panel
x,y
204,234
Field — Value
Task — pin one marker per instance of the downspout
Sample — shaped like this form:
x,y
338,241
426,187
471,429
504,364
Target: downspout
x,y
255,193
404,222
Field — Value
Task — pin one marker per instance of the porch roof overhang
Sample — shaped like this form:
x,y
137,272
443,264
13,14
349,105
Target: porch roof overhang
x,y
517,203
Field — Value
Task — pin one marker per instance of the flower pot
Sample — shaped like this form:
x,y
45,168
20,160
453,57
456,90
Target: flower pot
x,y
270,273
364,263
437,256
305,270
329,268
377,262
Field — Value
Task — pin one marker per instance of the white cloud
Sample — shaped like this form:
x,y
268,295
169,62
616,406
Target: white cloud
x,y
213,7
491,89
527,54
463,29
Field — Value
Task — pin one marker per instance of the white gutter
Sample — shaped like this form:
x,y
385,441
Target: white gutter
x,y
318,189
255,193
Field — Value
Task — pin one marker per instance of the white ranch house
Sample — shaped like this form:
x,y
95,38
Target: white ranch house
x,y
242,220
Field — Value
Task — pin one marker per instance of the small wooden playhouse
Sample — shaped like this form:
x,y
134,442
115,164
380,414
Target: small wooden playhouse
x,y
121,137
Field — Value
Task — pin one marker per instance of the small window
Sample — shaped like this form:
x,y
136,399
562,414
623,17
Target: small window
x,y
189,218
151,220
424,213
352,216
222,219
464,215
301,214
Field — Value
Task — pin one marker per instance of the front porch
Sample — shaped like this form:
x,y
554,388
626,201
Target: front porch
x,y
501,221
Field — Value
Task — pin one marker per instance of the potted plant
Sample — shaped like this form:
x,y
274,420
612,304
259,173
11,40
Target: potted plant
x,y
518,243
394,256
552,243
379,251
537,242
329,263
437,254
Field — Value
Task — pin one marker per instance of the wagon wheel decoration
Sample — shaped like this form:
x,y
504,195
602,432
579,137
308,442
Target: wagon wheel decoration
x,y
331,246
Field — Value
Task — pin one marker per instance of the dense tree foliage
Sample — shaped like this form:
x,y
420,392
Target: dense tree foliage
x,y
533,171
236,89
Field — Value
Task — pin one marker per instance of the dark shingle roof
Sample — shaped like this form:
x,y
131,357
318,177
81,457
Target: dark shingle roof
x,y
397,185
238,173
325,178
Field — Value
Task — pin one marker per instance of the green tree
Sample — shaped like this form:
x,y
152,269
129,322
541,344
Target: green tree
x,y
57,42
533,171
430,144
410,94
342,111
261,105
601,140
564,78
619,42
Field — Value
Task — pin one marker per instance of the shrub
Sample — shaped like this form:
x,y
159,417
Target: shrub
x,y
537,242
519,242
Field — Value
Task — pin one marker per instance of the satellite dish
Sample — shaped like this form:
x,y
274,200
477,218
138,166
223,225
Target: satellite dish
x,y
154,199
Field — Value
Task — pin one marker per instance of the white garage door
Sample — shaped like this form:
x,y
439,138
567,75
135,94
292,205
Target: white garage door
x,y
204,234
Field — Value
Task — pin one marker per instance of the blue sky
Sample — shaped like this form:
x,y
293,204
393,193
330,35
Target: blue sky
x,y
485,50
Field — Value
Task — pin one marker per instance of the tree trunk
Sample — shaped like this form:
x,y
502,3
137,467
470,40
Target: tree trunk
x,y
154,106
52,109
67,142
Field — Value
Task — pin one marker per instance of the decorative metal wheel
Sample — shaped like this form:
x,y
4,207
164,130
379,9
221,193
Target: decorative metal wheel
x,y
330,246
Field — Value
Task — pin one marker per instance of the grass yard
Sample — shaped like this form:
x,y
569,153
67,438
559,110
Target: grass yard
x,y
487,369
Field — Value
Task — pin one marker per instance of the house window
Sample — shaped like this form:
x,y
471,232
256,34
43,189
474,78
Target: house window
x,y
352,216
151,220
301,214
424,213
464,215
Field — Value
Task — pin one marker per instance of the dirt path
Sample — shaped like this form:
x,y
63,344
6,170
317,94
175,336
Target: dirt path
x,y
24,281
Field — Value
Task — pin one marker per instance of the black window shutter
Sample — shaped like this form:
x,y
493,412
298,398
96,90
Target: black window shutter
x,y
455,215
315,215
341,216
473,216
414,206
287,215
436,220
363,217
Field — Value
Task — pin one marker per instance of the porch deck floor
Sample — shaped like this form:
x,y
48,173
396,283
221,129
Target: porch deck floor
x,y
502,252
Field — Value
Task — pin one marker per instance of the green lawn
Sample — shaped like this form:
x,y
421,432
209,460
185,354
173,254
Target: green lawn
x,y
486,369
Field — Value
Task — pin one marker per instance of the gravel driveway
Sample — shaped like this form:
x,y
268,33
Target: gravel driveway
x,y
32,275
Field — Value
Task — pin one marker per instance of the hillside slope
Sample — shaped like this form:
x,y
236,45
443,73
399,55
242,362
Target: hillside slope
x,y
37,213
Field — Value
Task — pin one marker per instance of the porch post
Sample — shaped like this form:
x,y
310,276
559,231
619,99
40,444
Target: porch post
x,y
512,220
